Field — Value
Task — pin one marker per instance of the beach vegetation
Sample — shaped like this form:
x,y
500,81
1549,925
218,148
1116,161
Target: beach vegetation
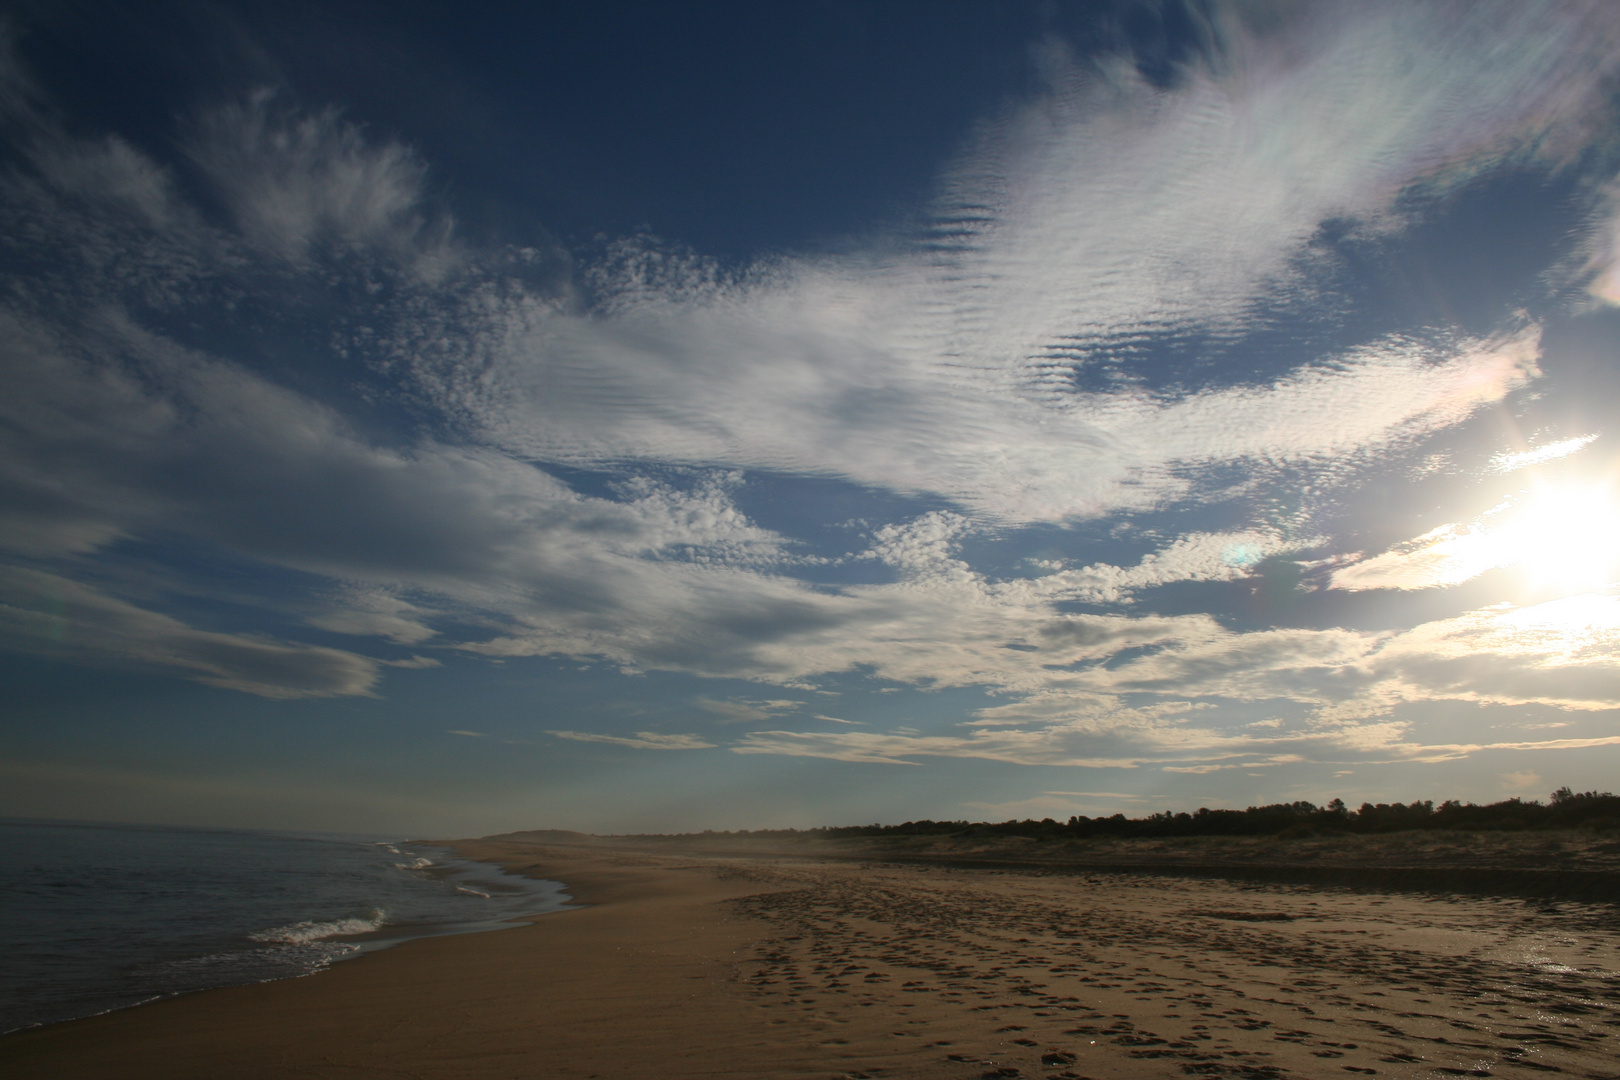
x,y
1565,809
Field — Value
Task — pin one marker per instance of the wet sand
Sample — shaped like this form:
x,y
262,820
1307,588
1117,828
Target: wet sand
x,y
686,964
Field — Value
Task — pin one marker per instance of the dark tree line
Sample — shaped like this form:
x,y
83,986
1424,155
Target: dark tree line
x,y
1566,809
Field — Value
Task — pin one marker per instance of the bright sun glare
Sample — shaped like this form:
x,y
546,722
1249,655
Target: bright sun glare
x,y
1565,540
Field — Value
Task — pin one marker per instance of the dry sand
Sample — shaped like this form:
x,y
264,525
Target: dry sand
x,y
685,964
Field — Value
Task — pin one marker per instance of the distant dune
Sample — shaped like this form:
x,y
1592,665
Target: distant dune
x,y
1573,863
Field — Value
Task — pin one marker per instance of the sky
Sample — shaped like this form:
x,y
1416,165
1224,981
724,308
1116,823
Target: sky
x,y
442,419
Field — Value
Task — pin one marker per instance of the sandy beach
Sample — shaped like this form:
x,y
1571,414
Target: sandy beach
x,y
727,962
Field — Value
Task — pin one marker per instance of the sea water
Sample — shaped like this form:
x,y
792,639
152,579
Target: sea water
x,y
100,917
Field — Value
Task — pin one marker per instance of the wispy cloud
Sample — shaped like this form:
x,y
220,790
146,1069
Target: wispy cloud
x,y
641,740
1541,454
373,611
1263,763
1603,248
413,662
745,710
291,180
1048,747
46,613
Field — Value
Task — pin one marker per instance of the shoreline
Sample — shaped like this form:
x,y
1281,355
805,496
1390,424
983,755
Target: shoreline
x,y
208,940
753,965
461,1005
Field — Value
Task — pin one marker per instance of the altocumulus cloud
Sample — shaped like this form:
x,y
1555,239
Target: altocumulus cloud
x,y
964,360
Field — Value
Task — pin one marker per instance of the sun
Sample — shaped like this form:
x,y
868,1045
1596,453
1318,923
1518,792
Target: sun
x,y
1563,539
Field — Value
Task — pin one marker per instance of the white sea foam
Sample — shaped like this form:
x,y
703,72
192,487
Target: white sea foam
x,y
417,863
472,892
302,933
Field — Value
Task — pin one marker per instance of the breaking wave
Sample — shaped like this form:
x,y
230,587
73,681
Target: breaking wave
x,y
302,933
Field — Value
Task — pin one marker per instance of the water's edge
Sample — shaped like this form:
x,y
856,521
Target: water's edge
x,y
107,918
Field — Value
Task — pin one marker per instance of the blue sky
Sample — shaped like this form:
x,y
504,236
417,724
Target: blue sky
x,y
624,417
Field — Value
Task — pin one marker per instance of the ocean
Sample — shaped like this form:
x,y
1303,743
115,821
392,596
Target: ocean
x,y
101,917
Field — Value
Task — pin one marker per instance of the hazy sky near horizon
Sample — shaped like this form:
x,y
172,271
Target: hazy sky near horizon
x,y
448,418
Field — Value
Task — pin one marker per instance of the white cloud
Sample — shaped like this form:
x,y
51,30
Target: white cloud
x,y
925,548
1297,664
414,662
1558,536
372,611
746,711
1090,713
1505,462
1402,388
1448,555
1107,214
1193,557
783,376
1557,653
642,740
